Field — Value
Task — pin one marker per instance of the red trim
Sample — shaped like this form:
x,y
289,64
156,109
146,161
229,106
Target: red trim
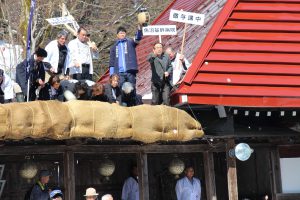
x,y
210,40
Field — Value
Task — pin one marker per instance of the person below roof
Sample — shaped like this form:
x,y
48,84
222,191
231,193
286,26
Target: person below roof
x,y
123,59
130,189
91,194
180,65
80,60
40,190
161,69
36,73
107,197
57,55
189,187
56,195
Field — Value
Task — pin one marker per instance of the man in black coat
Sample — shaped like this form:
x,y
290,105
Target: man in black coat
x,y
161,70
40,190
36,73
52,90
112,90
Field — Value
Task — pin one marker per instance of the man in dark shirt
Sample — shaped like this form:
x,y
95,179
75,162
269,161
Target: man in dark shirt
x,y
161,70
36,73
40,190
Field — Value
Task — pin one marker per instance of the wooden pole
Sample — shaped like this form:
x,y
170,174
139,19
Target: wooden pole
x,y
183,39
142,165
231,172
209,170
160,40
69,175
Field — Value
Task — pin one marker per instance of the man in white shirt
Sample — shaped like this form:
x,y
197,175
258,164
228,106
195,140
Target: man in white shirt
x,y
188,187
57,55
80,60
179,64
130,189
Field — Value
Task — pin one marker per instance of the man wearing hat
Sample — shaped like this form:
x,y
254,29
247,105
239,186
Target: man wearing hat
x,y
36,73
56,195
91,194
40,190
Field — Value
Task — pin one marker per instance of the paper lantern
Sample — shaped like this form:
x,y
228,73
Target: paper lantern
x,y
107,168
28,170
176,167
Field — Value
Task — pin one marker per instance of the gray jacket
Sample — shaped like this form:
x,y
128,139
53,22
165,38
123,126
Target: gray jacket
x,y
160,65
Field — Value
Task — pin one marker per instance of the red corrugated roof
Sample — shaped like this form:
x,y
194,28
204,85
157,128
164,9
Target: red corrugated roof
x,y
194,36
251,57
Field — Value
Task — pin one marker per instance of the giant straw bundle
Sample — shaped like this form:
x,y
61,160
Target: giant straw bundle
x,y
82,119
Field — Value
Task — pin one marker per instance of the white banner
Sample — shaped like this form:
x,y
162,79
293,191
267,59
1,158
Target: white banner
x,y
160,30
60,20
186,17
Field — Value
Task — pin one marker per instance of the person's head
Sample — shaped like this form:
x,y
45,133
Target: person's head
x,y
40,54
134,171
91,194
44,176
82,35
54,81
121,33
170,51
127,87
62,37
1,75
114,80
158,49
107,197
81,89
56,194
189,172
97,89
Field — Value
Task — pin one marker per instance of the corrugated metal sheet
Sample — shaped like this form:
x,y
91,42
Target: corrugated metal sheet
x,y
194,36
251,57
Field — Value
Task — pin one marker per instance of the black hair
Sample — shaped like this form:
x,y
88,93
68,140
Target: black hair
x,y
121,29
80,29
54,79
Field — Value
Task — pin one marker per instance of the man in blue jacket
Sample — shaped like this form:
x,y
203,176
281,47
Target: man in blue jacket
x,y
123,56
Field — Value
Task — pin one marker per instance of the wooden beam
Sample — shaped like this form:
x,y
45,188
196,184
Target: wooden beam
x,y
209,170
150,148
276,175
231,172
288,196
142,165
69,176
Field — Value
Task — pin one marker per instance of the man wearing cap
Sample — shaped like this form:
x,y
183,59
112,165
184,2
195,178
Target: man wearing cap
x,y
36,73
57,53
40,190
6,88
107,197
123,59
80,60
56,195
91,194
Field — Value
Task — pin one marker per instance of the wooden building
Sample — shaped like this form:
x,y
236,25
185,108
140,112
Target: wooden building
x,y
243,86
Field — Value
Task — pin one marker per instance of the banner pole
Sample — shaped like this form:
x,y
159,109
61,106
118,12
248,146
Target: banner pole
x,y
183,39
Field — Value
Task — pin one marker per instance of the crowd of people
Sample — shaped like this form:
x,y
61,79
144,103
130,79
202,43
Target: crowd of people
x,y
60,66
187,188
